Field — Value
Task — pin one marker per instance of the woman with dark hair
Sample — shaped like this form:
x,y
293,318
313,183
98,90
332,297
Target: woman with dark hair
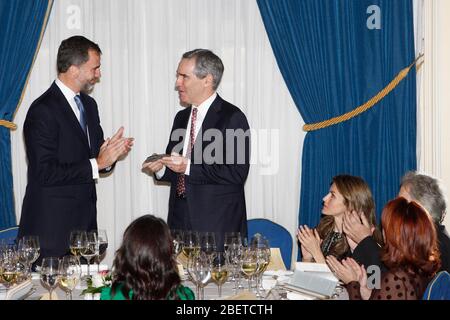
x,y
144,267
347,194
410,254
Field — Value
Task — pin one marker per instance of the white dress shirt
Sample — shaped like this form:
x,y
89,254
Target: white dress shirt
x,y
70,97
202,110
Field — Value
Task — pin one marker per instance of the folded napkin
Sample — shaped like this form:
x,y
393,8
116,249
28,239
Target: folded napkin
x,y
16,291
276,261
298,296
180,270
181,259
268,284
318,269
279,276
46,296
245,295
93,268
90,296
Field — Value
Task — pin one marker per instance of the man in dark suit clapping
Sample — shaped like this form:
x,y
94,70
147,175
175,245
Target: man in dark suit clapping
x,y
66,151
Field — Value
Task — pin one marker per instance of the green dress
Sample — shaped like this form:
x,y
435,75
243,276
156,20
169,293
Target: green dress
x,y
184,293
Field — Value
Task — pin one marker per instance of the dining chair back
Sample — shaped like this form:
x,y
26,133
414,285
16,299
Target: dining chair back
x,y
278,236
439,287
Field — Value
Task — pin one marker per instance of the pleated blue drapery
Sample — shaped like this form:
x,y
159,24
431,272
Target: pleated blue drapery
x,y
21,23
333,61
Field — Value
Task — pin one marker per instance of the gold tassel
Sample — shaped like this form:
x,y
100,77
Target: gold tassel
x,y
369,104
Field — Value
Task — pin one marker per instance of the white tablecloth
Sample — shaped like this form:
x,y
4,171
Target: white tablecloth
x,y
211,290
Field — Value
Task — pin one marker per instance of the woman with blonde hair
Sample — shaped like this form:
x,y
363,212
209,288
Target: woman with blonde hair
x,y
347,195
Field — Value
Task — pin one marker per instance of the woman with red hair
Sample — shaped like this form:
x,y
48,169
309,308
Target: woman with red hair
x,y
410,254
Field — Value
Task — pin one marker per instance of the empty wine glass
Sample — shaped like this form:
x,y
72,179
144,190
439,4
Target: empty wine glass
x,y
29,251
262,248
50,273
191,269
202,270
232,242
89,248
220,271
102,245
208,244
69,274
231,238
177,238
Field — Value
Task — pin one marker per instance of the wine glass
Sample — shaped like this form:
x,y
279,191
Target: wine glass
x,y
191,269
232,242
202,271
50,273
231,238
76,243
69,274
249,264
220,271
262,248
177,238
208,244
8,265
191,243
29,250
89,249
102,245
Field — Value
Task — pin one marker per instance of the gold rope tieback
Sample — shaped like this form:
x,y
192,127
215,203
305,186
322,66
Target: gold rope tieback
x,y
8,124
369,104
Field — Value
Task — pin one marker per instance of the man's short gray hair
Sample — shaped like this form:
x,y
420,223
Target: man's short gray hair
x,y
427,191
206,62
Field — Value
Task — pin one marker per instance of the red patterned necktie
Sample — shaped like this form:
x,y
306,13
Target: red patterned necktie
x,y
181,182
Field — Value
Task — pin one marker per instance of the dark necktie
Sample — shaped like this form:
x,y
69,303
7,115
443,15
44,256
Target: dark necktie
x,y
83,122
181,181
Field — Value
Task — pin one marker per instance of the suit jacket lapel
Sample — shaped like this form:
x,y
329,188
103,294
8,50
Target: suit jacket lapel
x,y
67,112
211,118
182,123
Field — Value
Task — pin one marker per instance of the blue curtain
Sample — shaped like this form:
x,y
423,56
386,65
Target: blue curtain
x,y
333,62
21,24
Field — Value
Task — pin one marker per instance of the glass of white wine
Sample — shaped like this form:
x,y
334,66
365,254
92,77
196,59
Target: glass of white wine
x,y
249,264
76,243
220,270
50,273
69,274
191,243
